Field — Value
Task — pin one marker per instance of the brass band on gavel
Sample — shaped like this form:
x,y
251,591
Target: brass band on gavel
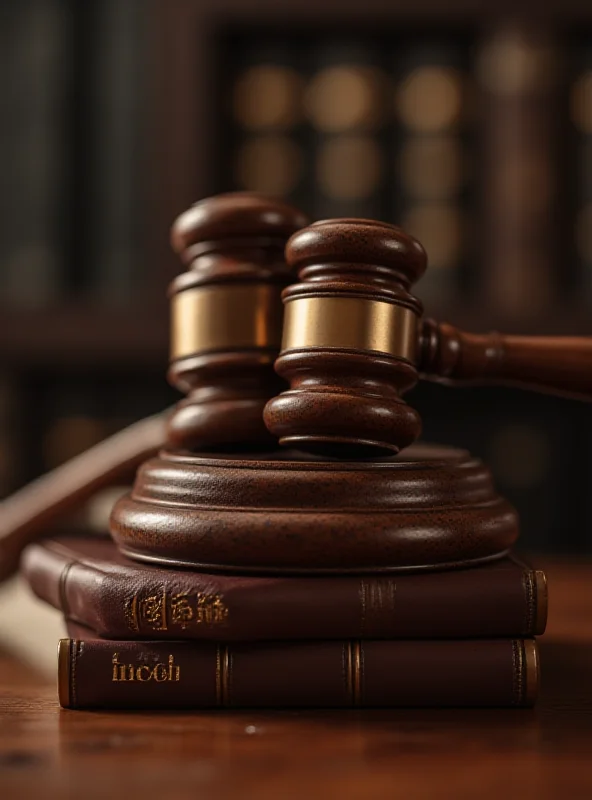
x,y
209,318
350,322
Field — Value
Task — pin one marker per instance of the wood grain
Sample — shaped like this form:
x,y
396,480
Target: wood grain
x,y
542,753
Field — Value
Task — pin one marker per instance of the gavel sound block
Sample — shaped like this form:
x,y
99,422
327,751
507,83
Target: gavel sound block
x,y
289,513
353,342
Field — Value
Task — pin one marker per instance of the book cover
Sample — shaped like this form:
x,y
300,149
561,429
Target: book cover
x,y
102,674
94,585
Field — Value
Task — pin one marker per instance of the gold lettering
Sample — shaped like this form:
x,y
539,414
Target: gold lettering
x,y
177,670
130,611
115,662
139,673
143,672
211,609
181,611
153,611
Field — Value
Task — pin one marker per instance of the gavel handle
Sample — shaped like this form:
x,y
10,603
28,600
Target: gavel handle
x,y
555,365
27,514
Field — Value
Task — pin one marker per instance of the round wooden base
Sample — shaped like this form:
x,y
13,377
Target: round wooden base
x,y
430,507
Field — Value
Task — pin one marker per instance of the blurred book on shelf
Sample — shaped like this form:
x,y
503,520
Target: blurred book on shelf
x,y
373,126
580,115
32,150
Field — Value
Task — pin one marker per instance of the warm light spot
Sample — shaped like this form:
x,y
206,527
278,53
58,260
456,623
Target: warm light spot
x,y
270,164
349,168
431,168
581,103
510,63
344,97
439,228
268,96
430,98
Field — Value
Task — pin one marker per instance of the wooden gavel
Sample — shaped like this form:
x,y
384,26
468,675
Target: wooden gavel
x,y
354,341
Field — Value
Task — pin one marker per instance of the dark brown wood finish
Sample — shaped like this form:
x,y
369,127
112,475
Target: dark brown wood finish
x,y
284,513
345,388
557,365
347,400
228,242
541,753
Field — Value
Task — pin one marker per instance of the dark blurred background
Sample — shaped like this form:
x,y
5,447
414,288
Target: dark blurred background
x,y
469,126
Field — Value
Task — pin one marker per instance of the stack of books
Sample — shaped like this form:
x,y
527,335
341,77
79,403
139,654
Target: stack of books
x,y
146,637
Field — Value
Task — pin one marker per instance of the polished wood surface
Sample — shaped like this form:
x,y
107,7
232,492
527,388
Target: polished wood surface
x,y
541,753
284,512
560,365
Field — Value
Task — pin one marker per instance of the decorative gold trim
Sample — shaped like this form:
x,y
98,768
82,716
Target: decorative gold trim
x,y
225,317
518,672
353,323
223,667
357,673
530,601
542,602
218,676
532,672
64,656
225,677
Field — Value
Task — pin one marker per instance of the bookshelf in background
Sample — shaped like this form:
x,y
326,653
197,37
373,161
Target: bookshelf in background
x,y
83,310
468,127
580,116
357,125
32,150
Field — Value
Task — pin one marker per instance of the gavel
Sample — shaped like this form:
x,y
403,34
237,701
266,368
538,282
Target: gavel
x,y
226,314
354,341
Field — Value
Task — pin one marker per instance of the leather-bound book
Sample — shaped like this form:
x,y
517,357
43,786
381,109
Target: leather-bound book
x,y
94,585
110,674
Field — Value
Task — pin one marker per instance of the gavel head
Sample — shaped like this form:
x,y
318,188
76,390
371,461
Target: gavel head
x,y
349,341
227,318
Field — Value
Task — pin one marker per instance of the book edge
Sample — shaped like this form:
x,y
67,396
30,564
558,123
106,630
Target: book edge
x,y
542,602
532,671
64,659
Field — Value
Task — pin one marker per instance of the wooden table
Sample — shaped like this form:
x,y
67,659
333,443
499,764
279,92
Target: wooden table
x,y
541,753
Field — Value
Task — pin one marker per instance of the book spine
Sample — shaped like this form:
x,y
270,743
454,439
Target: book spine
x,y
157,675
33,45
520,119
345,101
431,138
116,601
262,127
116,83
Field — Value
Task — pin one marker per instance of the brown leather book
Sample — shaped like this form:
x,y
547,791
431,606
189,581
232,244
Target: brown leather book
x,y
93,585
110,674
